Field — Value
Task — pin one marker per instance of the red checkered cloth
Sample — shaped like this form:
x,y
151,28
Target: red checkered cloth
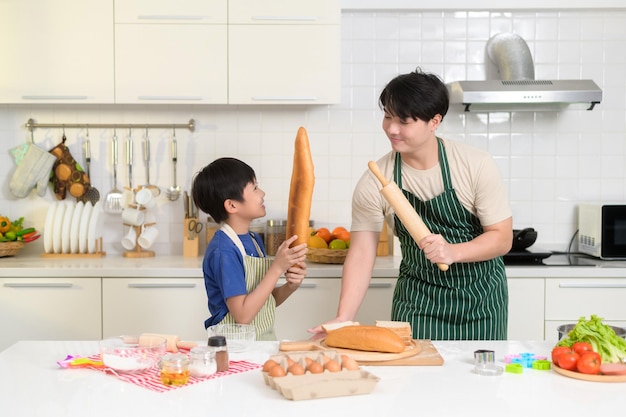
x,y
151,379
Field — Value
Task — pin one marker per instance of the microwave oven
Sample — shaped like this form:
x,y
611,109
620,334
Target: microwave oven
x,y
602,230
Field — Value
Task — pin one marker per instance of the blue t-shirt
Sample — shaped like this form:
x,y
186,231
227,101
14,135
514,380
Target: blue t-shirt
x,y
224,274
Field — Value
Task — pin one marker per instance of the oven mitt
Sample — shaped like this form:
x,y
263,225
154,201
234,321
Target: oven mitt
x,y
67,175
33,170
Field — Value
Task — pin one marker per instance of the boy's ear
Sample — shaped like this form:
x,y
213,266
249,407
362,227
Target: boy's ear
x,y
230,206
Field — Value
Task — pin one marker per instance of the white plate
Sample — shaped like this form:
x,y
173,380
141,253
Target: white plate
x,y
95,228
67,224
84,228
75,227
47,230
57,227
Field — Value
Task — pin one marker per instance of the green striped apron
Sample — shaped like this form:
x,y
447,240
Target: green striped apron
x,y
467,302
255,269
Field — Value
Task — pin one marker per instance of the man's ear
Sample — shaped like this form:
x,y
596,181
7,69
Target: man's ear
x,y
230,206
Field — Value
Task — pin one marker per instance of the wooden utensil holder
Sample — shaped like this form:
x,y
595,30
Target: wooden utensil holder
x,y
191,239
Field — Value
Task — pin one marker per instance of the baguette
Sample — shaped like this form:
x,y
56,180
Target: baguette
x,y
301,190
367,338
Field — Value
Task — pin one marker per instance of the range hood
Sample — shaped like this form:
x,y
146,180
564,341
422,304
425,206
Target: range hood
x,y
516,88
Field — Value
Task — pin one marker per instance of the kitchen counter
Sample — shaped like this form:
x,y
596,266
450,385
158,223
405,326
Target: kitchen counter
x,y
33,385
179,266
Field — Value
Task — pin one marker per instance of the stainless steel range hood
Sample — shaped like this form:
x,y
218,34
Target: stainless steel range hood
x,y
517,89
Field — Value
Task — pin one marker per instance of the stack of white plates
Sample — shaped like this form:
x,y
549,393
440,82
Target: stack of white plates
x,y
72,227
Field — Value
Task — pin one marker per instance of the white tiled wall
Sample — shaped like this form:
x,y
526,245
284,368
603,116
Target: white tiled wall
x,y
550,161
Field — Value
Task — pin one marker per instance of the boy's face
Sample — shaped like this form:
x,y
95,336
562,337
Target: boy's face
x,y
253,199
408,135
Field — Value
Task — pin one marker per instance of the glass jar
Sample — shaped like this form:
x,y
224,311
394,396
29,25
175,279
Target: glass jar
x,y
203,362
218,343
174,369
275,235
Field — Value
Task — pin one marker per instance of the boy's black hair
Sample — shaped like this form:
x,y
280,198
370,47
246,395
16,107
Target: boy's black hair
x,y
222,179
416,95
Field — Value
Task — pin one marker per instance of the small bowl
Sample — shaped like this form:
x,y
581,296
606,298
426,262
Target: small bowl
x,y
239,337
132,354
566,328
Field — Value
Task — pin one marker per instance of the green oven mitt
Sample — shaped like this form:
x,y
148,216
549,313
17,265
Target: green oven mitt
x,y
33,170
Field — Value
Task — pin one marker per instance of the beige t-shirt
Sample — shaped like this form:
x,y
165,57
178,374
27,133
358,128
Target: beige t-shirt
x,y
475,178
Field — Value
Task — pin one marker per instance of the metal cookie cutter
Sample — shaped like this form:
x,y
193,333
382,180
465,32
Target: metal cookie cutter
x,y
484,363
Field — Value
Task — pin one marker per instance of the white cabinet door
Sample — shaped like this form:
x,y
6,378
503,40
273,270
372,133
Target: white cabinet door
x,y
284,64
154,305
273,12
316,302
170,63
49,309
56,51
526,309
183,11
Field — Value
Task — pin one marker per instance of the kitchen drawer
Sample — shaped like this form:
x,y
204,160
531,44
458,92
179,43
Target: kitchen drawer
x,y
570,298
180,11
273,12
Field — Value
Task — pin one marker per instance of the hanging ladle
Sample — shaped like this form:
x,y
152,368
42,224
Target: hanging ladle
x,y
174,191
156,191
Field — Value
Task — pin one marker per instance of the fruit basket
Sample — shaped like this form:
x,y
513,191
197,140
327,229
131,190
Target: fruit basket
x,y
10,248
327,256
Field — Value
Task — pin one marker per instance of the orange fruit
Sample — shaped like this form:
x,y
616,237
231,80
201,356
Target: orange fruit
x,y
324,233
343,235
336,231
316,242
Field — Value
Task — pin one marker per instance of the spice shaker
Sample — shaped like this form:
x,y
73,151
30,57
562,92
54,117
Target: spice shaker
x,y
203,362
218,343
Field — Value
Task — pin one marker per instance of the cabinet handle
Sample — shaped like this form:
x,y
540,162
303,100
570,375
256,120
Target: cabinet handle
x,y
38,285
590,285
55,97
281,18
171,17
380,285
284,98
303,285
179,285
180,98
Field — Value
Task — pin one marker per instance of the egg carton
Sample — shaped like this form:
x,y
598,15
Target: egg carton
x,y
319,385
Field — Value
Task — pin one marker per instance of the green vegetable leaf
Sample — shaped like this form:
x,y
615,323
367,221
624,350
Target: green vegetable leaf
x,y
602,338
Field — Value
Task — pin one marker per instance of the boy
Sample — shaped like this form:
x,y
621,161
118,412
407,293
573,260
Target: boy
x,y
239,278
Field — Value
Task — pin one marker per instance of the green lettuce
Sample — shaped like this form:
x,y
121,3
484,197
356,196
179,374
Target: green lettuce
x,y
602,338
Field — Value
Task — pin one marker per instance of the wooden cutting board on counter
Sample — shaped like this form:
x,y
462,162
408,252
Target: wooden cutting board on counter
x,y
421,353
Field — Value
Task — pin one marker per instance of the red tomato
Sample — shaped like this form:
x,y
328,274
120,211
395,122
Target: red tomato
x,y
582,347
568,360
589,363
558,351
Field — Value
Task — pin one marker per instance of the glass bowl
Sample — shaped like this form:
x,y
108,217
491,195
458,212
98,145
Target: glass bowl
x,y
132,354
239,337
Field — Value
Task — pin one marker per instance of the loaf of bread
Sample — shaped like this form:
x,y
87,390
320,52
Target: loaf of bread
x,y
328,327
301,189
367,338
401,328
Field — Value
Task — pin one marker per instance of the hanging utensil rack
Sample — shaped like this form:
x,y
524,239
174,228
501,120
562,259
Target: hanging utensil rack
x,y
31,125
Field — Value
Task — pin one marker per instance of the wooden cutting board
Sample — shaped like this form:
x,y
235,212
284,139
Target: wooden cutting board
x,y
422,353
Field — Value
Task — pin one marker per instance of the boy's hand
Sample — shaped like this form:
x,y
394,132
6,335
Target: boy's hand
x,y
287,257
295,275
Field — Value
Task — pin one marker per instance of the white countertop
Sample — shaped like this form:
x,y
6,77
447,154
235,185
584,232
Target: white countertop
x,y
181,267
33,385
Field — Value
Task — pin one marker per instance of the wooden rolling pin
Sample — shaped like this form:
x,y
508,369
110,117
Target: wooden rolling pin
x,y
405,212
301,189
173,342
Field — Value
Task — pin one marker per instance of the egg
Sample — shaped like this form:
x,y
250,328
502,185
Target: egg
x,y
290,361
296,369
308,361
326,358
332,366
348,363
277,371
315,368
269,364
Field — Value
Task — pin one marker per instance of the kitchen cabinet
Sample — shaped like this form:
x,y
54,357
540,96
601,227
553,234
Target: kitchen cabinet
x,y
526,309
56,51
41,308
568,299
154,305
171,52
284,52
316,301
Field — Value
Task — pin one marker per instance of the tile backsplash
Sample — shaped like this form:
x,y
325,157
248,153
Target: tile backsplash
x,y
551,161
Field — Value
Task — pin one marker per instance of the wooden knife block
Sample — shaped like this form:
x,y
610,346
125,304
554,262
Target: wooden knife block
x,y
191,239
